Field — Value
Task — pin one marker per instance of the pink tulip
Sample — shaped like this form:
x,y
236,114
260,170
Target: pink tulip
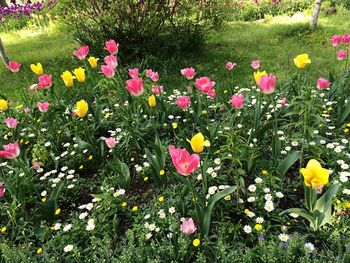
x,y
43,106
149,73
108,71
188,73
342,54
135,86
111,142
345,39
322,83
45,81
111,60
336,40
133,72
157,89
237,101
82,52
184,163
212,93
204,84
11,123
255,64
11,151
267,84
188,227
230,65
283,102
13,66
2,190
154,76
183,102
112,47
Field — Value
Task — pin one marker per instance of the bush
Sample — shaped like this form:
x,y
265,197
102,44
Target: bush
x,y
154,27
254,10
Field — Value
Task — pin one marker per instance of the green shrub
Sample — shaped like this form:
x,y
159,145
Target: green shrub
x,y
154,27
254,10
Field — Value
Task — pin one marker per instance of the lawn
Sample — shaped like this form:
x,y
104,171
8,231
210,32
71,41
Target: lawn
x,y
275,42
216,167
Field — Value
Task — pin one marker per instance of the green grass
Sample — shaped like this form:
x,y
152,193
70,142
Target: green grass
x,y
52,47
275,42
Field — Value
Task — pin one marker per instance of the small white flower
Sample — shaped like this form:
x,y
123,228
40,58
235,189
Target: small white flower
x,y
83,215
251,199
309,247
90,227
67,228
268,197
148,236
68,248
258,180
89,206
172,210
283,237
279,194
294,215
259,220
247,229
57,226
252,188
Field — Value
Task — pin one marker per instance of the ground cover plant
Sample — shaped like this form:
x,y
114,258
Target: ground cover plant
x,y
102,163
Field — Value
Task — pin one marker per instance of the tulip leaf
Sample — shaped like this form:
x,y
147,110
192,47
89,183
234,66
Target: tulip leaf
x,y
301,212
212,201
325,201
287,162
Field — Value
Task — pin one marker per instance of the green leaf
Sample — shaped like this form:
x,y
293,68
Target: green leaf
x,y
301,212
325,201
287,162
211,203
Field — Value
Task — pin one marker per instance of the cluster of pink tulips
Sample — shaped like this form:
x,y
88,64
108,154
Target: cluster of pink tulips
x,y
338,41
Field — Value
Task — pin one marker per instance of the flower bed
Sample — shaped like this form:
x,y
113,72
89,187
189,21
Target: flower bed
x,y
103,163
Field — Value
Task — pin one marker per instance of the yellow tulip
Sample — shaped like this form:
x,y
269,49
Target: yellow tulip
x,y
197,143
152,101
37,69
93,62
3,105
81,108
314,175
258,75
302,60
80,74
68,79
